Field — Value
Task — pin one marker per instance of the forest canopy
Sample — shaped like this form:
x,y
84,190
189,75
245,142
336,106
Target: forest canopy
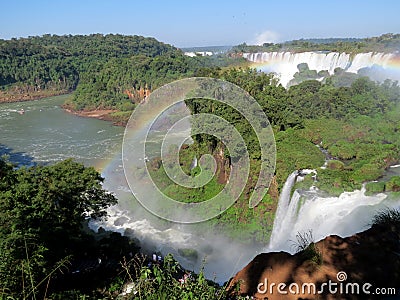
x,y
107,71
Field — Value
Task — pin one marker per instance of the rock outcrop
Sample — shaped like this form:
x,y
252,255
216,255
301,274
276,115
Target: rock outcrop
x,y
356,267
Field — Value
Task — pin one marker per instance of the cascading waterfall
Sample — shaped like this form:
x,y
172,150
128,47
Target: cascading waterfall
x,y
286,213
285,63
345,215
284,201
121,221
364,60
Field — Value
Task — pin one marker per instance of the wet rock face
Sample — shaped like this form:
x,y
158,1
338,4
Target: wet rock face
x,y
273,189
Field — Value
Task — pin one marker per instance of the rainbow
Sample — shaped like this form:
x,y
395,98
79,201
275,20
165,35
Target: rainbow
x,y
394,63
112,168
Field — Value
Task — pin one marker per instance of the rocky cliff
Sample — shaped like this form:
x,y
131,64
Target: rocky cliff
x,y
363,266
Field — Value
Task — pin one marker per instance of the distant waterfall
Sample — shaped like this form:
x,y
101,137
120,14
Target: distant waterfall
x,y
285,63
345,215
363,60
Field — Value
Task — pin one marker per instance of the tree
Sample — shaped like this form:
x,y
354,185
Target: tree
x,y
42,211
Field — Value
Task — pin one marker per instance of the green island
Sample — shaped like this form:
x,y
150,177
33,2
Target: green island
x,y
44,209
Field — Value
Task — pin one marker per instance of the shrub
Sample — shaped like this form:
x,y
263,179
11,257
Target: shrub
x,y
335,165
387,218
375,187
393,185
305,244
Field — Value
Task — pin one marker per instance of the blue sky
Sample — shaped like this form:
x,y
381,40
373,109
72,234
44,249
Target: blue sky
x,y
202,22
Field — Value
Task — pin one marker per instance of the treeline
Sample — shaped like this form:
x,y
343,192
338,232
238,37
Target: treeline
x,y
112,72
385,43
107,71
33,67
57,61
105,46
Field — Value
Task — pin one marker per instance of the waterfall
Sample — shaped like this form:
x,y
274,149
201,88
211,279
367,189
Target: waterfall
x,y
280,215
367,60
286,213
194,163
285,222
345,215
285,63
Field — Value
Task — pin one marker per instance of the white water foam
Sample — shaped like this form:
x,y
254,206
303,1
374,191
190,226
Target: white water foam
x,y
345,215
285,63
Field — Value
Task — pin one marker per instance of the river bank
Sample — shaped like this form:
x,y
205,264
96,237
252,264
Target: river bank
x,y
114,116
7,97
101,114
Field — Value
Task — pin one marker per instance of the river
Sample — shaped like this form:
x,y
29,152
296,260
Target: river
x,y
45,133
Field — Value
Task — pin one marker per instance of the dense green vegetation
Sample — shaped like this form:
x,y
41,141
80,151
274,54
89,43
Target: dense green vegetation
x,y
47,252
58,61
43,209
169,281
108,84
107,71
385,43
357,127
391,185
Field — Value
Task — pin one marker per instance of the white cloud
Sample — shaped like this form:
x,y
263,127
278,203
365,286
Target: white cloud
x,y
266,36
